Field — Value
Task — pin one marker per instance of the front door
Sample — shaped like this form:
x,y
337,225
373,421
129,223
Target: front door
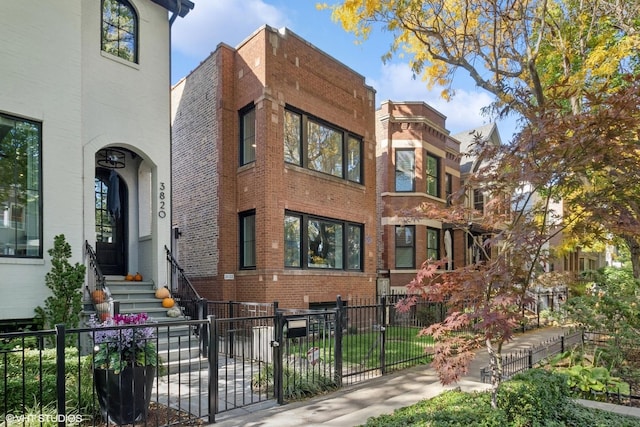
x,y
111,220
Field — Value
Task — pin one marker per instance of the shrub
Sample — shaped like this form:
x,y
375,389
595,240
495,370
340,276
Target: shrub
x,y
296,384
533,397
36,371
451,408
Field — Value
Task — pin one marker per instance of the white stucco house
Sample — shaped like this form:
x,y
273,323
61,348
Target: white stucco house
x,y
84,111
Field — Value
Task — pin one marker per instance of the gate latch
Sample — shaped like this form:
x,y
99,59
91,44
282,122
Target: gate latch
x,y
275,344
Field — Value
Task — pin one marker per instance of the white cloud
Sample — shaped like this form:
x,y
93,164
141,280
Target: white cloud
x,y
221,21
463,111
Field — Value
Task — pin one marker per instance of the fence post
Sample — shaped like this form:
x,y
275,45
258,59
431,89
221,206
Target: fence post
x,y
213,367
383,324
204,328
337,356
562,344
278,369
530,358
232,327
60,374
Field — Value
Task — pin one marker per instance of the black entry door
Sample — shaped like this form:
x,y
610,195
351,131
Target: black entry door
x,y
111,221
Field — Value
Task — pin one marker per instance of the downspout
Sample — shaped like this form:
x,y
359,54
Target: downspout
x,y
175,15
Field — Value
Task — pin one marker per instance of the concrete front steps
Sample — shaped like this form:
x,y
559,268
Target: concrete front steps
x,y
178,346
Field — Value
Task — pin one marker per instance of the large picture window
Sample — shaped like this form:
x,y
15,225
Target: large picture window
x,y
120,29
316,145
433,176
248,135
323,241
248,240
405,170
405,246
20,188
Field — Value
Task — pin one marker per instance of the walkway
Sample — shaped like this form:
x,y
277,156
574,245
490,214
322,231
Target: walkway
x,y
353,405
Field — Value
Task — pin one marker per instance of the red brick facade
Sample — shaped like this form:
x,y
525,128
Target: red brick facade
x,y
273,71
418,128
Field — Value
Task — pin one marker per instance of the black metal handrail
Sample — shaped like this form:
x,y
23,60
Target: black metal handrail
x,y
95,278
182,289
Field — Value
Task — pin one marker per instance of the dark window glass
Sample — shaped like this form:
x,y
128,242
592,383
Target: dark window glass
x,y
478,201
248,136
248,240
292,241
323,241
405,170
405,246
20,188
292,137
433,176
119,29
313,144
433,244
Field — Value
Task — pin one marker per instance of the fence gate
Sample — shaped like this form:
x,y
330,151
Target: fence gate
x,y
241,349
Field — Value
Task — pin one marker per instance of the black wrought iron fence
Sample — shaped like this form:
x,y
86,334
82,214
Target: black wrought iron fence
x,y
49,377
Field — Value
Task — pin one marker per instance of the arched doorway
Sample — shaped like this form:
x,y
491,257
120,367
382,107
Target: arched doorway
x,y
111,221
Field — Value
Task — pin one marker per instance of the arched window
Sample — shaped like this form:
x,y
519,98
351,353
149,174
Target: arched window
x,y
120,29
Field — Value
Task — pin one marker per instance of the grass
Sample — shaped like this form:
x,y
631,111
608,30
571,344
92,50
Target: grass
x,y
402,344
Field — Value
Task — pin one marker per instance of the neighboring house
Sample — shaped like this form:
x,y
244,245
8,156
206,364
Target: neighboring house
x,y
572,261
84,117
274,174
475,196
418,161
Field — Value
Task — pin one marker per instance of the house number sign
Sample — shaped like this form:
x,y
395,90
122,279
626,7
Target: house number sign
x,y
161,211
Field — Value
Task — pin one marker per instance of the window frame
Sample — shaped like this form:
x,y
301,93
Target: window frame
x,y
347,138
437,248
398,171
243,217
411,245
303,242
448,188
430,177
15,207
245,158
478,200
135,34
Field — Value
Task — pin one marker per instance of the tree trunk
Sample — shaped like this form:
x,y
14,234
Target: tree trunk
x,y
634,249
495,365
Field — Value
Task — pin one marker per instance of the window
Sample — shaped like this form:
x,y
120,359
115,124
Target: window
x,y
292,137
120,29
292,241
448,187
319,146
433,176
405,170
248,240
433,244
405,246
323,241
248,135
478,200
20,188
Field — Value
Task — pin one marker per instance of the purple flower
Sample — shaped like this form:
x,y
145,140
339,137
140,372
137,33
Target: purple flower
x,y
116,347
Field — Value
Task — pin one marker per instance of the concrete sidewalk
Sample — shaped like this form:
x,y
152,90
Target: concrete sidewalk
x,y
353,405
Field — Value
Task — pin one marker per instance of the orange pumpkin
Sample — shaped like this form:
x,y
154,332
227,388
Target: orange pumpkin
x,y
163,293
129,277
168,302
137,277
98,296
104,316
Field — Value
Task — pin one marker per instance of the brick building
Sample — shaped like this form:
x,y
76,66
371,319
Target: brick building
x,y
417,162
274,188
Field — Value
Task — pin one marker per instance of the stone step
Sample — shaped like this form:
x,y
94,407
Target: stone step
x,y
140,304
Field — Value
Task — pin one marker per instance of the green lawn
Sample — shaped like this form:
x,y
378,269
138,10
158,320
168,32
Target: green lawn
x,y
363,348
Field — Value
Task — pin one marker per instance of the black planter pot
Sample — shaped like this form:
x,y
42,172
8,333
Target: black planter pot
x,y
124,397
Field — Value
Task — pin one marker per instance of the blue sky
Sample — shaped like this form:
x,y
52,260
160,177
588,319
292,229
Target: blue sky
x,y
231,21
